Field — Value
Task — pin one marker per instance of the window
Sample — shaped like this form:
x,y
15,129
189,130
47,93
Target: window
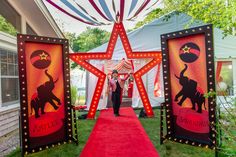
x,y
224,78
9,77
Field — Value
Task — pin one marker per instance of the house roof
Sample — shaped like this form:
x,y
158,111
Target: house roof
x,y
37,16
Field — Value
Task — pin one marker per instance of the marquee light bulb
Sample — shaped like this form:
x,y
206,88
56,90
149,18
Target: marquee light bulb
x,y
118,29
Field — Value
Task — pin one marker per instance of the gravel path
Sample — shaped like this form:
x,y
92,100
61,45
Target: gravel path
x,y
9,142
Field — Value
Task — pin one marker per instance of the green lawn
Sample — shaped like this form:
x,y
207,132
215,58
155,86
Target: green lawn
x,y
151,125
81,99
170,149
66,150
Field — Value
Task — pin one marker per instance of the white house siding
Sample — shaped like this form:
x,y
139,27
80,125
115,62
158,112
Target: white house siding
x,y
35,16
9,120
9,114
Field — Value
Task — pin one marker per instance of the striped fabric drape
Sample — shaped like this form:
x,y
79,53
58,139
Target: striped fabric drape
x,y
69,14
107,11
98,10
79,13
145,3
124,66
133,5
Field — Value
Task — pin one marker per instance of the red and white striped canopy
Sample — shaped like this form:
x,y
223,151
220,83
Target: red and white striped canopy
x,y
123,67
103,12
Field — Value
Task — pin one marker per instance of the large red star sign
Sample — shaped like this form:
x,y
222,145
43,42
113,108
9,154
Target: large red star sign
x,y
81,59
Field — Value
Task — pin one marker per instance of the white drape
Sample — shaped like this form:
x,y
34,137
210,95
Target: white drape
x,y
148,80
92,82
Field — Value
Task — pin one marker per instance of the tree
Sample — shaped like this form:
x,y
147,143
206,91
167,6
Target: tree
x,y
87,40
7,27
221,13
151,16
71,37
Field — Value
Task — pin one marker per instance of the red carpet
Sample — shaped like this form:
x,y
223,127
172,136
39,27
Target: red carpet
x,y
121,136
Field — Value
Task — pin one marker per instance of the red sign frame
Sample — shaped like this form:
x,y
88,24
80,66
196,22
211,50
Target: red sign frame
x,y
44,62
188,55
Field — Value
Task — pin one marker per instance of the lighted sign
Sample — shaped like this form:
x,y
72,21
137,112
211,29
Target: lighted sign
x,y
118,30
188,71
44,92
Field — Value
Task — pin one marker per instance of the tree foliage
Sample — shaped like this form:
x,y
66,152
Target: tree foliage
x,y
7,27
225,124
87,40
74,94
151,16
221,13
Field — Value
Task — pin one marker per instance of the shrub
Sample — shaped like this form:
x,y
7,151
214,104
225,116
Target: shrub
x,y
74,95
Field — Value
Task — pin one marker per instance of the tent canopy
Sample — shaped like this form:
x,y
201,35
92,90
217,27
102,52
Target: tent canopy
x,y
147,38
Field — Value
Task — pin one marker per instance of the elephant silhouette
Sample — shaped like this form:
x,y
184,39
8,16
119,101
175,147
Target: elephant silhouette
x,y
43,95
190,90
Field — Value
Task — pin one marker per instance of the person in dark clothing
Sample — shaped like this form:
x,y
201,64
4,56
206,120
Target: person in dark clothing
x,y
117,85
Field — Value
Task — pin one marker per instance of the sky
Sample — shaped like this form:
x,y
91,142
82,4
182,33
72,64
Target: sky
x,y
69,24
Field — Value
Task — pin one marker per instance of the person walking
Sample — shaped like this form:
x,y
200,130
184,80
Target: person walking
x,y
117,84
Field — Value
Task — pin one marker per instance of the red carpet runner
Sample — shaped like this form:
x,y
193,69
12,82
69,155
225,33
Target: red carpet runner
x,y
121,136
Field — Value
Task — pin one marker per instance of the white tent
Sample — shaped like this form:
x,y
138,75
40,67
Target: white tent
x,y
78,80
147,38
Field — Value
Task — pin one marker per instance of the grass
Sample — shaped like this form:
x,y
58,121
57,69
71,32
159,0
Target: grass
x,y
66,150
151,125
169,148
81,99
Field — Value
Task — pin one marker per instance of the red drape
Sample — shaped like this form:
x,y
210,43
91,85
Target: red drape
x,y
130,89
157,85
218,70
